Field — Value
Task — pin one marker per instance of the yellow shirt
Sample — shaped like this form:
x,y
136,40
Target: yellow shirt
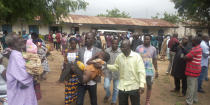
x,y
132,71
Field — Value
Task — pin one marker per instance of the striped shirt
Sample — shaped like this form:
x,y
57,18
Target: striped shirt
x,y
193,67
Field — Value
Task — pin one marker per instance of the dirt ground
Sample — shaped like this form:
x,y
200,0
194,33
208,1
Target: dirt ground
x,y
53,93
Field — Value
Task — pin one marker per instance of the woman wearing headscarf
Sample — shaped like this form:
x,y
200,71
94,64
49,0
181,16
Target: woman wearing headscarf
x,y
41,51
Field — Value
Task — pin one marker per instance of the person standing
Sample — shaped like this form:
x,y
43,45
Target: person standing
x,y
136,41
42,52
109,40
50,39
132,74
193,70
164,48
20,87
154,41
149,56
54,40
86,53
160,41
172,44
3,39
204,62
179,65
113,51
64,43
58,40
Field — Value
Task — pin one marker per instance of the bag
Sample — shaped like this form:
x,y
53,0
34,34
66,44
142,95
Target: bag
x,y
31,47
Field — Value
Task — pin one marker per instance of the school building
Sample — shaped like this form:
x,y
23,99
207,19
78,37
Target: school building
x,y
81,23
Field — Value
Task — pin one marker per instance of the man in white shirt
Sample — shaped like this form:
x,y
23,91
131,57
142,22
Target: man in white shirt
x,y
204,62
85,53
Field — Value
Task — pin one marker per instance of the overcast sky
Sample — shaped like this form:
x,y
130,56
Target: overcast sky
x,y
136,8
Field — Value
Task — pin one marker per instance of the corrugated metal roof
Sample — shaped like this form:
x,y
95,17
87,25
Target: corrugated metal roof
x,y
81,19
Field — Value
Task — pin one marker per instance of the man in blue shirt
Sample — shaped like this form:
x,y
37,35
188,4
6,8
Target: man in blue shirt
x,y
204,61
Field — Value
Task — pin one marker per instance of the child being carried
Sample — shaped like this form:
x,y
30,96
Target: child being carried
x,y
94,66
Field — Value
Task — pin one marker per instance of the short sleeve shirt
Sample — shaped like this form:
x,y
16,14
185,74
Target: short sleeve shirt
x,y
147,54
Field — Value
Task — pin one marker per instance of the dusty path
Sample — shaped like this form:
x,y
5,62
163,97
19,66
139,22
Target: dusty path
x,y
53,93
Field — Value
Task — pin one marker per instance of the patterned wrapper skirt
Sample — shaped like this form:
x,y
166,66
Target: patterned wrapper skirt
x,y
71,92
37,91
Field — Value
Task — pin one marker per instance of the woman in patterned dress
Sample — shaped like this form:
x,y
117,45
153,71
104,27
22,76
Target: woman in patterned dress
x,y
68,76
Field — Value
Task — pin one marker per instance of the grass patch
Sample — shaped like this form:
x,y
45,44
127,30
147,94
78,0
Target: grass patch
x,y
179,103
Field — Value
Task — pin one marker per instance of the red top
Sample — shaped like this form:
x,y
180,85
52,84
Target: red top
x,y
58,37
50,38
193,66
172,42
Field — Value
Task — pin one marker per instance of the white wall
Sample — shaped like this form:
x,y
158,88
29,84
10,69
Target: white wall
x,y
44,29
155,30
84,29
66,28
17,27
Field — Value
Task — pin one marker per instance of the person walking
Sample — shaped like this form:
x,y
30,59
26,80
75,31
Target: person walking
x,y
204,62
132,74
86,53
67,76
193,70
149,56
113,51
20,87
179,65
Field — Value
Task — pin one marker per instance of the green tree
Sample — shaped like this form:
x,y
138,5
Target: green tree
x,y
115,13
47,10
156,17
173,18
195,10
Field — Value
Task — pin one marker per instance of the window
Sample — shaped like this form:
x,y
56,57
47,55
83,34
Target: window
x,y
75,30
7,27
34,28
55,29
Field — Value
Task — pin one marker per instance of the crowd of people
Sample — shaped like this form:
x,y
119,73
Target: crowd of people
x,y
127,59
